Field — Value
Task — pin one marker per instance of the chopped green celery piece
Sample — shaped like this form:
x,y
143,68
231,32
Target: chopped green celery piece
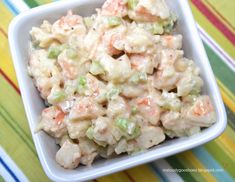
x,y
130,128
170,101
157,28
113,21
168,28
113,92
89,133
55,51
173,104
132,4
122,124
88,21
168,25
96,68
71,53
136,132
57,96
138,77
82,83
134,110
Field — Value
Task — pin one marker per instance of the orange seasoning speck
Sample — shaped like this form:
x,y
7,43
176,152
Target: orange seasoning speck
x,y
59,116
144,101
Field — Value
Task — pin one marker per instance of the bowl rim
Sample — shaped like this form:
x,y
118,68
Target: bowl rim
x,y
219,125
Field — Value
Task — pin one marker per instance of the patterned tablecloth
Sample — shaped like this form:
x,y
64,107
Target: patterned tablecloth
x,y
214,161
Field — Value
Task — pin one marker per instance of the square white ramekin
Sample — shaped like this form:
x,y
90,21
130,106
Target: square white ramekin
x,y
45,145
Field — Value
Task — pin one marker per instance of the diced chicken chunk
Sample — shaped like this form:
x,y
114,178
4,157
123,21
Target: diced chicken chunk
x,y
112,40
177,126
172,41
142,63
69,155
102,131
166,76
88,151
44,71
149,109
150,11
116,70
85,108
77,129
52,122
201,113
126,146
137,41
189,84
150,136
68,25
114,8
132,91
116,106
42,36
156,8
94,86
69,67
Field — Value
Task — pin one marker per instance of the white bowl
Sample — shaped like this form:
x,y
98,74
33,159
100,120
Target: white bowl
x,y
19,38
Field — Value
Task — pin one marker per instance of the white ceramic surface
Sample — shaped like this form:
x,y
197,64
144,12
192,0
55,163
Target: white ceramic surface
x,y
45,145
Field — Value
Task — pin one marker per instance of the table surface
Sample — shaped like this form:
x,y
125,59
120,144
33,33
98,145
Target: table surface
x,y
214,161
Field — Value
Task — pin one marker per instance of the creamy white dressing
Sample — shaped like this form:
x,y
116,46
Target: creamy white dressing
x,y
115,84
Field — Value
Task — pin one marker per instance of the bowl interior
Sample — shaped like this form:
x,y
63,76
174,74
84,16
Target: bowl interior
x,y
33,103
